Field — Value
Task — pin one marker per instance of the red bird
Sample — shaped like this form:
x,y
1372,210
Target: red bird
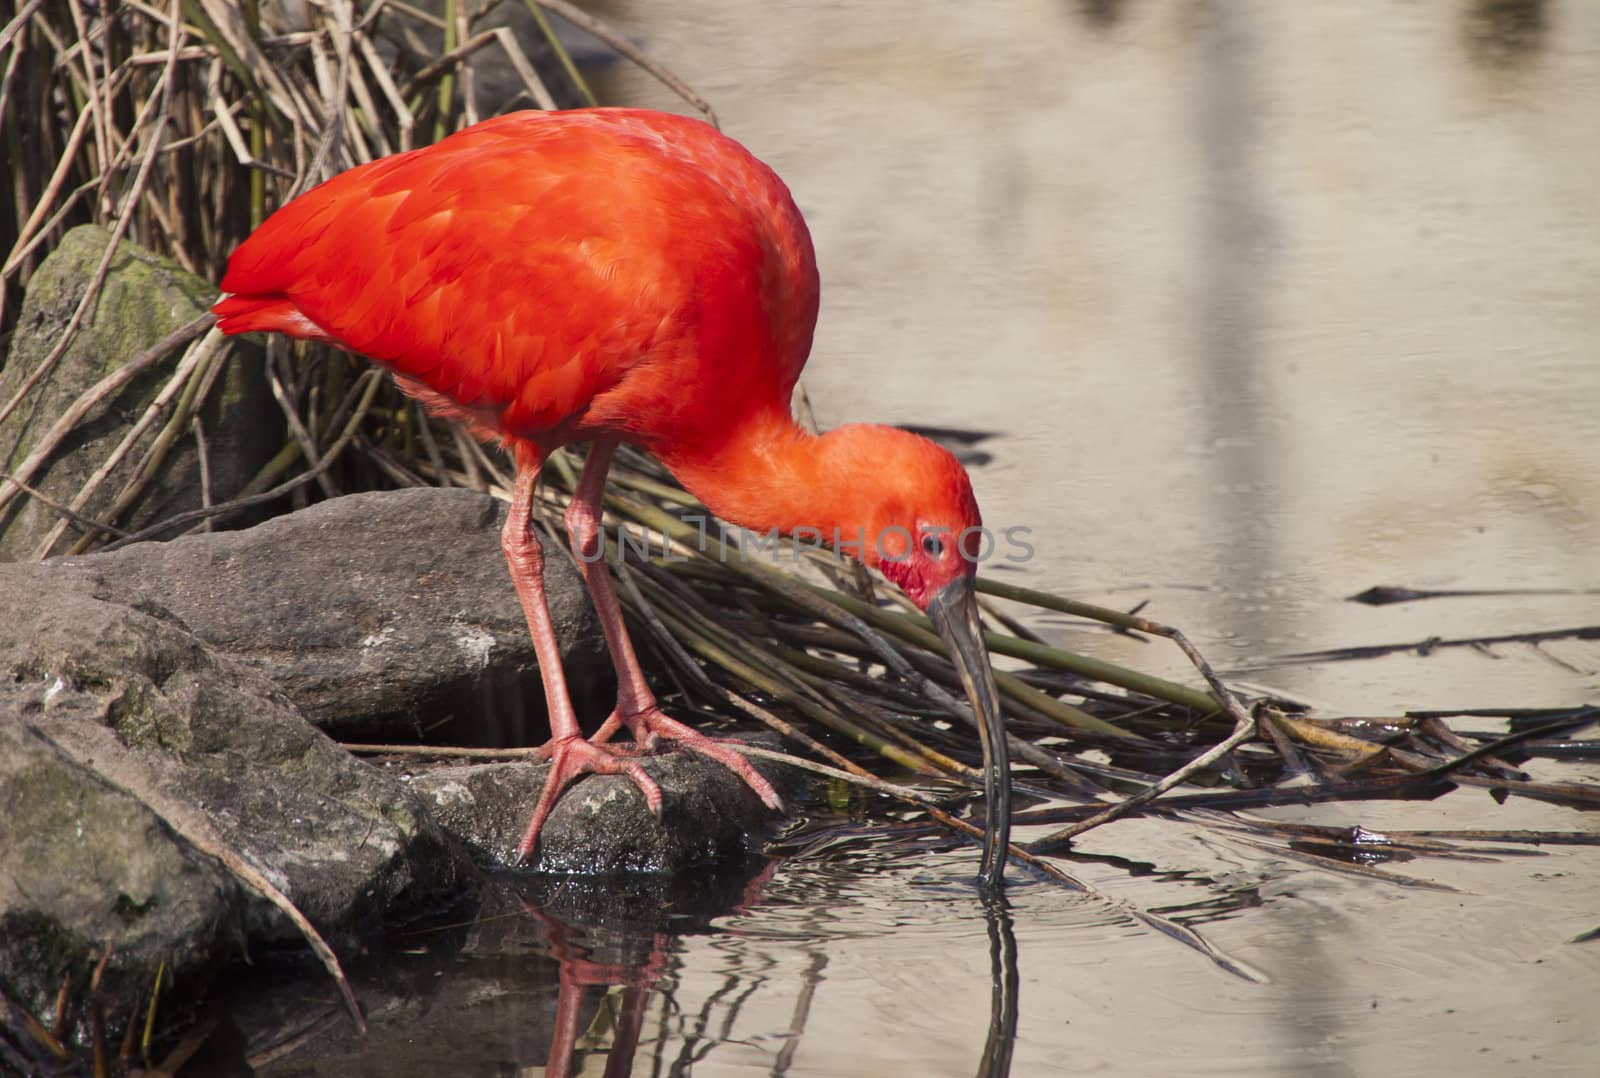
x,y
618,275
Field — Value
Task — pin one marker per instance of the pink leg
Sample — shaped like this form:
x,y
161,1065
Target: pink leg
x,y
569,754
636,704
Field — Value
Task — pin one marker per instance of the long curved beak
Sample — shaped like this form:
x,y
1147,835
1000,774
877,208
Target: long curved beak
x,y
954,611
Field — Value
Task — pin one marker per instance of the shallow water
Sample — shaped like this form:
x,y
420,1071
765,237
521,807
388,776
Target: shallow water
x,y
1266,304
866,955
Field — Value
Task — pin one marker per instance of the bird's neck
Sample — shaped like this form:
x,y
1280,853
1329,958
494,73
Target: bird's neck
x,y
769,474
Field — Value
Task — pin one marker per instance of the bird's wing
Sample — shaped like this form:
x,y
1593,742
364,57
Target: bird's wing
x,y
499,269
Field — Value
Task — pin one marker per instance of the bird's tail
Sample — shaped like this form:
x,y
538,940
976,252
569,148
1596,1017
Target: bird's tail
x,y
267,314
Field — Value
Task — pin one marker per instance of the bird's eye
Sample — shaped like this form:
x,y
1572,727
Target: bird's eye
x,y
932,546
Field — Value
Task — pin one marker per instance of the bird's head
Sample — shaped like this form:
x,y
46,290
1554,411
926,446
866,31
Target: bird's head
x,y
921,527
898,503
924,533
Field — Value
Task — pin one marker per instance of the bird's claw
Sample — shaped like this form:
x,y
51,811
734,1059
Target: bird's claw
x,y
569,758
653,723
574,756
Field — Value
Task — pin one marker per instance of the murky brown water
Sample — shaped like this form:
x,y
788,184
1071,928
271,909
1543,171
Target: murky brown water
x,y
1266,303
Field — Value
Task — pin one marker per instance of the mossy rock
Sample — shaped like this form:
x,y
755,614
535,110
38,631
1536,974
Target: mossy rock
x,y
145,297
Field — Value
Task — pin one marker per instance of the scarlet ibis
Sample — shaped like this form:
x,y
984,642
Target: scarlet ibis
x,y
620,275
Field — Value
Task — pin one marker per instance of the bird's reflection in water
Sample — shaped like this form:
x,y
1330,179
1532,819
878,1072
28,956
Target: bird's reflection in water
x,y
611,976
601,945
996,1059
588,976
622,1015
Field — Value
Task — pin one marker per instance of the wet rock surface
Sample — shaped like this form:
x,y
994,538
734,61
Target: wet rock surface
x,y
601,825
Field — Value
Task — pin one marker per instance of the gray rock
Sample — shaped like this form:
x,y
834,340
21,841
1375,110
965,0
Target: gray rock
x,y
131,735
144,299
378,615
151,711
85,864
601,826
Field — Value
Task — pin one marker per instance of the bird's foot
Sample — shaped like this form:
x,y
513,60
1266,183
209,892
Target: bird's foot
x,y
569,758
651,723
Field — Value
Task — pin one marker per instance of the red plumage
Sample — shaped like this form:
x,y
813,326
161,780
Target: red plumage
x,y
569,273
611,275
